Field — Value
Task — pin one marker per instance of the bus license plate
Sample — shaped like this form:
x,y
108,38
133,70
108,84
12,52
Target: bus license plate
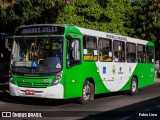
x,y
30,92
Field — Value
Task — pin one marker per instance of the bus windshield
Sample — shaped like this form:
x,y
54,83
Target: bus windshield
x,y
37,54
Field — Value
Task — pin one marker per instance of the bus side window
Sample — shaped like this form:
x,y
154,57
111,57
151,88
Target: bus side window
x,y
90,48
150,54
119,50
141,53
105,50
131,52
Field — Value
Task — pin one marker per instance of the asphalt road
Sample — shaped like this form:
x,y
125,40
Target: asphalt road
x,y
119,105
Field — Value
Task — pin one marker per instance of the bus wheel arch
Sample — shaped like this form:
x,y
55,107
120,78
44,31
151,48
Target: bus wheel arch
x,y
133,85
88,91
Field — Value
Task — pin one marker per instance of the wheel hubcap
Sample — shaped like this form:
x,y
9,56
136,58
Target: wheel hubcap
x,y
134,86
86,92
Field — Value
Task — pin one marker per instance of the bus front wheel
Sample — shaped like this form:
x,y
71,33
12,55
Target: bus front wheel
x,y
134,86
87,92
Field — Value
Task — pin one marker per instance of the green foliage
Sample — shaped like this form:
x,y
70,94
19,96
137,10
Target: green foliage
x,y
27,12
104,15
137,19
146,19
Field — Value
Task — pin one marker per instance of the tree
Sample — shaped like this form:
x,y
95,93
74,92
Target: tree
x,y
153,24
104,15
153,19
138,19
146,19
27,12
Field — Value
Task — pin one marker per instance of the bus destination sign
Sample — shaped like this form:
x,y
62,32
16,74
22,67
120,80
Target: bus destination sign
x,y
40,30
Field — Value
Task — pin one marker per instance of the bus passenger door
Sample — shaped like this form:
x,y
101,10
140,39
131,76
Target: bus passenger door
x,y
73,71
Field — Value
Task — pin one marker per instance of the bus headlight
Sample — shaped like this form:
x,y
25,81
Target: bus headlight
x,y
57,78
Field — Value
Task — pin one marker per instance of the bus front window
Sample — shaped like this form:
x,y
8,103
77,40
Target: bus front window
x,y
38,55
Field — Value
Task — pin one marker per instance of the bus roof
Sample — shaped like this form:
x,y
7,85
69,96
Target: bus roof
x,y
95,33
62,25
90,32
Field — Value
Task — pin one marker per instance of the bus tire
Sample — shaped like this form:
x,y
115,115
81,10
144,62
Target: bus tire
x,y
133,87
87,92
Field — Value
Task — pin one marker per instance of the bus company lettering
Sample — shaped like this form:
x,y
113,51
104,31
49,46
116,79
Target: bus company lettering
x,y
116,37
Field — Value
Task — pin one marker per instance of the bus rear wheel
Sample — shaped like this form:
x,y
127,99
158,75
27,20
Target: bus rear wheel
x,y
133,87
87,92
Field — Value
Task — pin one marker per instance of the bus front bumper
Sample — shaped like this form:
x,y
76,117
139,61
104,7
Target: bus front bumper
x,y
55,92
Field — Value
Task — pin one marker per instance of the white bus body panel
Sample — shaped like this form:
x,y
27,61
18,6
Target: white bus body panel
x,y
55,92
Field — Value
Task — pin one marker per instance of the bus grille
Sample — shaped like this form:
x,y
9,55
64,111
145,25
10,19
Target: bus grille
x,y
32,84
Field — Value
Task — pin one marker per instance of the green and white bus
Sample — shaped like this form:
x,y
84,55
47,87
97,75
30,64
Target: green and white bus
x,y
66,61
